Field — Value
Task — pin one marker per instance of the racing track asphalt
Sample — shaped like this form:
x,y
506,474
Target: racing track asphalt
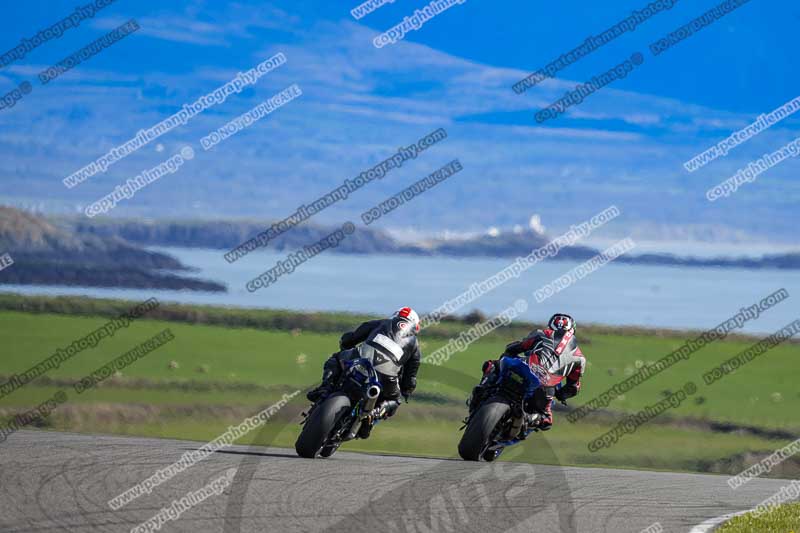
x,y
52,481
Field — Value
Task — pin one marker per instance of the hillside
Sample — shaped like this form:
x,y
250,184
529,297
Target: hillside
x,y
46,254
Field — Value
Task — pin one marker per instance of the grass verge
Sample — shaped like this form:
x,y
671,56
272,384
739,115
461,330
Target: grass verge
x,y
781,519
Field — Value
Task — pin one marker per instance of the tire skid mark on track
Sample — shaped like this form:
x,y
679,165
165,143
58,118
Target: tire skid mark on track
x,y
75,475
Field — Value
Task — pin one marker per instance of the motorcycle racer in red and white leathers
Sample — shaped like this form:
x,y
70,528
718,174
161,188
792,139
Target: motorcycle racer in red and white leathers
x,y
556,350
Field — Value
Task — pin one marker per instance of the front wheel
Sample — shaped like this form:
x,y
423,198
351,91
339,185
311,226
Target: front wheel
x,y
479,432
318,428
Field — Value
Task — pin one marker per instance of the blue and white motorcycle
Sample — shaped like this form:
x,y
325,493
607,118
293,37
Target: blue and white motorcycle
x,y
498,419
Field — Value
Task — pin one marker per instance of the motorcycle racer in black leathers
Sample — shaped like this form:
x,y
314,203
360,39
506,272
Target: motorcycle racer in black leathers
x,y
392,347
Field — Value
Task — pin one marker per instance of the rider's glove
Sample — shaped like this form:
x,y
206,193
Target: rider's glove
x,y
567,391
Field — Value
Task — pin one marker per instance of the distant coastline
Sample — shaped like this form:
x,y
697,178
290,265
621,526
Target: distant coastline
x,y
226,235
112,253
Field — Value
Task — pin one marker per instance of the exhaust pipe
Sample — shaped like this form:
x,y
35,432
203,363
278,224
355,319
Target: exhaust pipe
x,y
373,392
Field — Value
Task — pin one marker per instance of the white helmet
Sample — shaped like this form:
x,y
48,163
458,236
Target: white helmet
x,y
409,316
561,323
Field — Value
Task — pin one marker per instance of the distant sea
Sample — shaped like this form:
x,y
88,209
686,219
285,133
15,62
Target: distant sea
x,y
669,297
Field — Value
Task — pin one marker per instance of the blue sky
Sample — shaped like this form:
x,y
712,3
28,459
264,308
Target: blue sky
x,y
623,145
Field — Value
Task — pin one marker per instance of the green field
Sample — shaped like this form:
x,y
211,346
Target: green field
x,y
211,376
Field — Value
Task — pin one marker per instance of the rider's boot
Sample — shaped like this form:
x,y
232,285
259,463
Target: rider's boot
x,y
491,455
475,398
365,429
546,421
478,392
383,411
541,402
329,376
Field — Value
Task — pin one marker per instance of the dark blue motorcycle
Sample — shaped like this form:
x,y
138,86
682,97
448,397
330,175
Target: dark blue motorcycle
x,y
499,419
337,417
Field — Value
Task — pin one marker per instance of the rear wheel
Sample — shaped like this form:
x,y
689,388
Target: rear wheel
x,y
317,429
479,432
